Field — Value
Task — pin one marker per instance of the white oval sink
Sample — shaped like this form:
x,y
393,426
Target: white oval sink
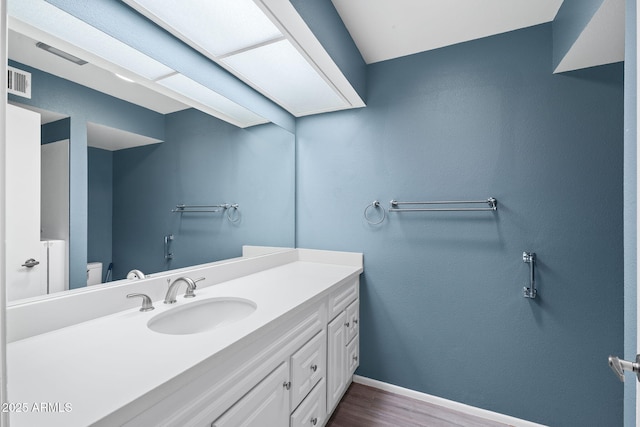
x,y
201,316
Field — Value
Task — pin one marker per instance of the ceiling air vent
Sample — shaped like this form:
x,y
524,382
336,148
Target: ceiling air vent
x,y
19,82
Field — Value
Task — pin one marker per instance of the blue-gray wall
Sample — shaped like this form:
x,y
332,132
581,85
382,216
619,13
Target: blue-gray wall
x,y
83,105
100,207
630,205
202,161
441,296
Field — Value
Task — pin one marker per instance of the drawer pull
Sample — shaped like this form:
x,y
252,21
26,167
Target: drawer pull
x,y
314,421
346,324
355,321
286,385
314,368
355,358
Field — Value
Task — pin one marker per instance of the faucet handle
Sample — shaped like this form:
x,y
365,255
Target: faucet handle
x,y
190,290
146,301
619,366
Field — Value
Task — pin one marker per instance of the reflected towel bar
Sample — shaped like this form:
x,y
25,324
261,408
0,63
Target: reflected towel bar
x,y
491,202
204,208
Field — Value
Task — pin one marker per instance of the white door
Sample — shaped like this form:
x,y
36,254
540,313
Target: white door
x,y
22,215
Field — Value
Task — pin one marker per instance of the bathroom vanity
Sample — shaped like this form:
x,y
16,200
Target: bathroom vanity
x,y
282,354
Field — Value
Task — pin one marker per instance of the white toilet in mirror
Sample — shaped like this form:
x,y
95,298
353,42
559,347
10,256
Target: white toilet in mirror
x,y
94,273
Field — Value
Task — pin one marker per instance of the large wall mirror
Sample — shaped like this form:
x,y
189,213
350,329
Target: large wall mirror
x,y
129,163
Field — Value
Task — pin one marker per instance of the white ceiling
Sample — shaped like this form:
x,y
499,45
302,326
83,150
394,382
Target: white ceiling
x,y
112,139
601,42
384,29
98,136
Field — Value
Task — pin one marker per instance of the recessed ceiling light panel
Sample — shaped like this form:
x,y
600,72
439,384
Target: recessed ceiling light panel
x,y
217,27
282,73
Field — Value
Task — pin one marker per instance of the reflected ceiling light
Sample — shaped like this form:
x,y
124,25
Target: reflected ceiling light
x,y
213,27
50,19
61,53
211,102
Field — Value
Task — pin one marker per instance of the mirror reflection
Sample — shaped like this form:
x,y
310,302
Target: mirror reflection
x,y
127,168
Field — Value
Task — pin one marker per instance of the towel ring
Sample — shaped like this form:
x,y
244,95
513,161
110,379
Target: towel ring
x,y
231,217
373,205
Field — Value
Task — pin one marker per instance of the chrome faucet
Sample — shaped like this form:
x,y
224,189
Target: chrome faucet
x,y
170,298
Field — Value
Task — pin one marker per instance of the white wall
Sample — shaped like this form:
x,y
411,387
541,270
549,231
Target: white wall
x,y
54,207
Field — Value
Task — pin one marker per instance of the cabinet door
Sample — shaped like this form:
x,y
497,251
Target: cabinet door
x,y
266,405
353,314
336,360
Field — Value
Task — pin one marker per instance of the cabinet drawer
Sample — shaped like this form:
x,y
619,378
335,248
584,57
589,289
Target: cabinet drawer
x,y
353,321
308,365
312,411
341,298
353,355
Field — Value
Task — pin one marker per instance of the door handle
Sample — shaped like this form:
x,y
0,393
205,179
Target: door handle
x,y
619,366
30,263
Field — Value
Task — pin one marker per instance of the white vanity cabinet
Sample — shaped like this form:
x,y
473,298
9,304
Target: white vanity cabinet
x,y
343,350
259,382
275,367
320,372
284,390
292,376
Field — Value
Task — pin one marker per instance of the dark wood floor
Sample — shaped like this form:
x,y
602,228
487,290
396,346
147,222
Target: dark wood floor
x,y
364,406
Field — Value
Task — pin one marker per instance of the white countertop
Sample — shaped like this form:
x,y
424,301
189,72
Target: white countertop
x,y
101,365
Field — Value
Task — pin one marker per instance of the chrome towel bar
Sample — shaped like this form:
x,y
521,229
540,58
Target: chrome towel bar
x,y
229,208
491,202
203,208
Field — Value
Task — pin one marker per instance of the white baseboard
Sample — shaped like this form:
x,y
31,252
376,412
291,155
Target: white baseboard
x,y
450,404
